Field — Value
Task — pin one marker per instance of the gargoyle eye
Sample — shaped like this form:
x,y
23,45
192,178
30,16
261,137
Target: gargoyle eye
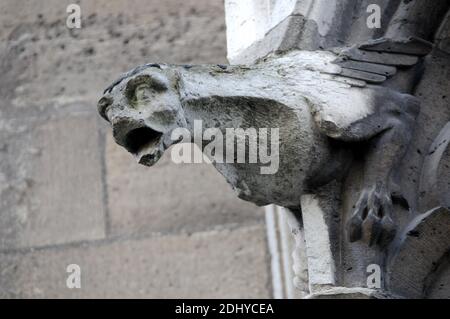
x,y
142,92
141,87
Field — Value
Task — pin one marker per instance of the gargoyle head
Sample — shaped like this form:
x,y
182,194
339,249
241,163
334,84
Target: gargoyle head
x,y
143,107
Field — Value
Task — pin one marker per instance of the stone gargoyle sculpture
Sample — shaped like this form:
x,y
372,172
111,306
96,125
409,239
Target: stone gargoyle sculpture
x,y
329,106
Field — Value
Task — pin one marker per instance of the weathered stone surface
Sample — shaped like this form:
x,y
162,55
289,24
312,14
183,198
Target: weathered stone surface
x,y
435,179
50,182
216,264
369,67
258,27
420,251
267,25
277,38
137,10
438,285
434,93
321,266
413,46
350,293
171,197
443,35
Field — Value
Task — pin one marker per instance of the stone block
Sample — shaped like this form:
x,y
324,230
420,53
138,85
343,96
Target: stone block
x,y
217,264
50,182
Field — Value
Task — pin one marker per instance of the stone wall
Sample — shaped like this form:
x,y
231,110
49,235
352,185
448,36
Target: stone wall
x,y
69,195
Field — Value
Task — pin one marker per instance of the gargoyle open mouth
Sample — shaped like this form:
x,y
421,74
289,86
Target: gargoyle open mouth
x,y
144,143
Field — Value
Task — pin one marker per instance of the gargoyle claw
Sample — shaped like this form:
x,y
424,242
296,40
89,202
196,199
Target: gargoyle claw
x,y
372,222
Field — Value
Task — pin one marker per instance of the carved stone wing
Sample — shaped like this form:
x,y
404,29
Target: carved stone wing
x,y
391,65
378,60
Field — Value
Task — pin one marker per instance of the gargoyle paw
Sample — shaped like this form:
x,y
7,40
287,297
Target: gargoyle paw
x,y
372,220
